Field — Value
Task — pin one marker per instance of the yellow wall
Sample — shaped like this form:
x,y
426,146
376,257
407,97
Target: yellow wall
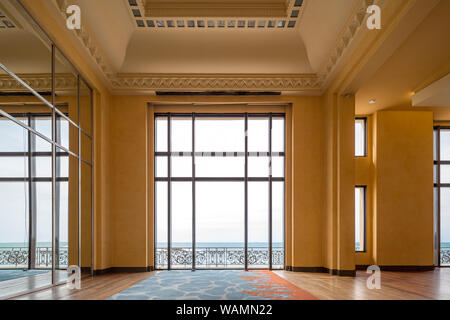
x,y
404,183
131,172
321,174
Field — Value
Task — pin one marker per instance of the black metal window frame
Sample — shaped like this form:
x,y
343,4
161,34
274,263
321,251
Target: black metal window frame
x,y
364,216
365,136
438,185
169,154
30,154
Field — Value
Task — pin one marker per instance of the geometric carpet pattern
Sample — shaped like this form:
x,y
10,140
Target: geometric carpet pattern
x,y
214,285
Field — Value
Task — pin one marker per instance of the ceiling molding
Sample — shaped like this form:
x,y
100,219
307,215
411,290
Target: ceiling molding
x,y
225,82
210,15
39,82
89,43
347,34
151,82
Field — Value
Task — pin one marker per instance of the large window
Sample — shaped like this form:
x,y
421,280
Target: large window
x,y
219,191
442,195
361,137
360,218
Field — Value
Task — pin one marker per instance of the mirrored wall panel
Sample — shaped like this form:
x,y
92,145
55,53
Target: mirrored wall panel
x,y
46,159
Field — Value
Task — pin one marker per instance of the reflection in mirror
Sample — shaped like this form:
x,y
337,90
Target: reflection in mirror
x,y
25,210
27,241
86,218
66,88
64,208
26,53
85,108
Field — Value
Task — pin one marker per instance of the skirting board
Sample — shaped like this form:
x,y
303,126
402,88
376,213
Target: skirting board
x,y
123,270
399,268
342,273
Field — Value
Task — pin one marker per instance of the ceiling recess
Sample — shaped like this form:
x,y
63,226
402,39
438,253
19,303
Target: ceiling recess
x,y
207,14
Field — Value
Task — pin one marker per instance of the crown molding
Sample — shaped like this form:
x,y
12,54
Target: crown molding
x,y
346,36
39,82
303,83
89,43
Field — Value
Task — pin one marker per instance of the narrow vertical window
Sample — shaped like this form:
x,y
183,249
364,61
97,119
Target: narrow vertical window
x,y
360,219
361,137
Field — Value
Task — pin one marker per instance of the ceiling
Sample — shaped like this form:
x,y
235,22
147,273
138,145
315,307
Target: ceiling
x,y
284,45
418,58
293,46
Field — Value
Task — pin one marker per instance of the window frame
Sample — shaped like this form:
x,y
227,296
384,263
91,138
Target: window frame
x,y
364,216
169,154
437,162
365,137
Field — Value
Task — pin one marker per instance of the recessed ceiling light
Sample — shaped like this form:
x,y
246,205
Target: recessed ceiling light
x,y
372,101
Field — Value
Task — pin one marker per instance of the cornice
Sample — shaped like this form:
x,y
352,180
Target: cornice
x,y
220,82
347,34
39,82
89,43
123,82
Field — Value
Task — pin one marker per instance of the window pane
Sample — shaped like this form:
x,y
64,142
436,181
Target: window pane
x,y
445,173
44,219
258,167
445,144
360,137
435,145
258,134
278,225
43,125
13,167
181,166
161,167
278,133
161,224
360,222
181,136
278,167
14,138
43,167
258,224
219,167
220,224
181,225
445,226
161,134
221,135
14,221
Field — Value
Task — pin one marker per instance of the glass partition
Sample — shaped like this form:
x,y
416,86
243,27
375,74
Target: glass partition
x,y
46,160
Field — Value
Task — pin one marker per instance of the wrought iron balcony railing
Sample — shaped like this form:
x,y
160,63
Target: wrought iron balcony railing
x,y
17,257
220,257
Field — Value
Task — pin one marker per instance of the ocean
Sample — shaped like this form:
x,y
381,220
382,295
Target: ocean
x,y
161,244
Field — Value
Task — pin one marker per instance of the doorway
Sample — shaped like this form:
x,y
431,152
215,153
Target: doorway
x,y
219,190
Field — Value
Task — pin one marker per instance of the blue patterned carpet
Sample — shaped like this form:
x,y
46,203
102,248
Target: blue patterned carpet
x,y
15,274
213,285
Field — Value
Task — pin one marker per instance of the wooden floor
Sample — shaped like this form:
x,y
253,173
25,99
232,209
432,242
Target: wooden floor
x,y
394,286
